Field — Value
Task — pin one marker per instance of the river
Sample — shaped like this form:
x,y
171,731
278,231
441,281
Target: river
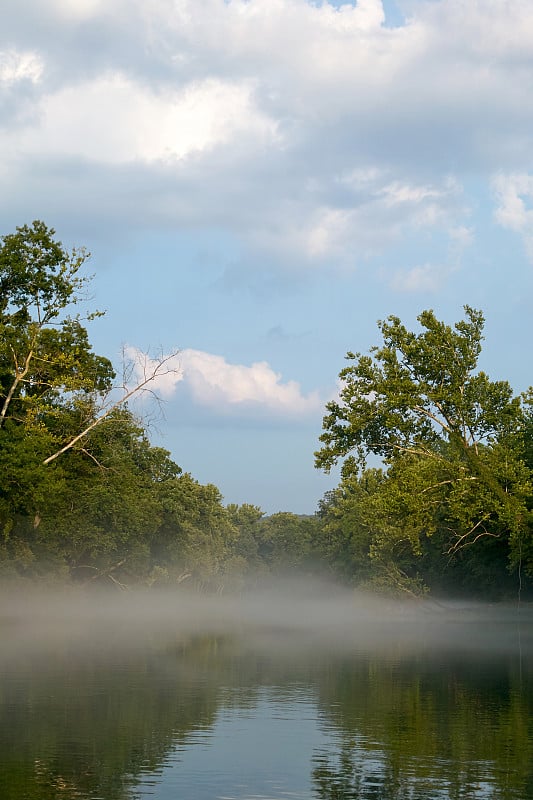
x,y
306,696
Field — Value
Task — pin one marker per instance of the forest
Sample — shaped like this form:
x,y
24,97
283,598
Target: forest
x,y
436,489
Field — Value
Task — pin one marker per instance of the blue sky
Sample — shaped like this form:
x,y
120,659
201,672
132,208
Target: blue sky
x,y
259,181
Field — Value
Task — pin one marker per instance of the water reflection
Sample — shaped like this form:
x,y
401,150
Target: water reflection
x,y
451,725
84,724
417,712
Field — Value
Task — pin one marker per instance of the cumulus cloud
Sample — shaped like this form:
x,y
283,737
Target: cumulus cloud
x,y
226,388
141,125
16,66
315,134
514,195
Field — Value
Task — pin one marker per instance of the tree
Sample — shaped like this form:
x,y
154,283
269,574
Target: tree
x,y
59,398
449,437
246,520
347,527
47,367
42,351
194,538
285,542
107,509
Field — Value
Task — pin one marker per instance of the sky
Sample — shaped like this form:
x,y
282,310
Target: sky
x,y
259,182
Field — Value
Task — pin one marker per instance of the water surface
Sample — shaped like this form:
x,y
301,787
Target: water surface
x,y
306,696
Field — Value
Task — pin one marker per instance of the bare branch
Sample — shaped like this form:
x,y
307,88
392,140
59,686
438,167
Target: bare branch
x,y
103,573
426,413
415,450
90,455
19,377
462,540
120,585
450,481
157,370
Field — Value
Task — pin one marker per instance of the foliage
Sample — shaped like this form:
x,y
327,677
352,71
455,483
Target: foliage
x,y
418,394
43,351
279,544
47,366
84,493
347,529
450,439
192,541
112,505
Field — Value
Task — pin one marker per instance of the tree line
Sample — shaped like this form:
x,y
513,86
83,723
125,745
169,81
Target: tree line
x,y
84,494
437,461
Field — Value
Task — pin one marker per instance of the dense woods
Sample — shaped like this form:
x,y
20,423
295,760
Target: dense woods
x,y
436,490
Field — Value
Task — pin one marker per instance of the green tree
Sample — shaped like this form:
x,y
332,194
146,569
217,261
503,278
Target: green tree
x,y
450,438
43,351
286,542
347,529
264,546
194,541
45,361
109,508
245,561
101,499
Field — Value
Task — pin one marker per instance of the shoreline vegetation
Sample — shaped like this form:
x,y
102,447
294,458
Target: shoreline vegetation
x,y
86,499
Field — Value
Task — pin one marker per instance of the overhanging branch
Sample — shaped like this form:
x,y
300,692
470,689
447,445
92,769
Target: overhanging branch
x,y
159,370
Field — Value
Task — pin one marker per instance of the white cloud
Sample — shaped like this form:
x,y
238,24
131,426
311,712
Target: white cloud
x,y
314,134
223,387
423,278
511,192
514,194
76,9
461,237
380,213
19,66
114,120
397,194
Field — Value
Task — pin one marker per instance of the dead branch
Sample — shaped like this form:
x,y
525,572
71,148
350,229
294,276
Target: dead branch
x,y
463,540
157,370
450,481
19,377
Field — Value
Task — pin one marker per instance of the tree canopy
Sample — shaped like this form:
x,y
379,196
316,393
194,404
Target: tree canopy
x,y
452,441
44,351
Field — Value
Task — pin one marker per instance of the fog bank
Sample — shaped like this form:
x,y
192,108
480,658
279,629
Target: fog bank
x,y
286,614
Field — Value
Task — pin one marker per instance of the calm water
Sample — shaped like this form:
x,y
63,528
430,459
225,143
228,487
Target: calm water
x,y
307,700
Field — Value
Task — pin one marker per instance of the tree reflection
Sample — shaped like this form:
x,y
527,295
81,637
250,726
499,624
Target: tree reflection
x,y
453,727
84,721
89,724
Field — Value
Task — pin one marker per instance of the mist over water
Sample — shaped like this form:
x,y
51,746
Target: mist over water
x,y
286,612
302,690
